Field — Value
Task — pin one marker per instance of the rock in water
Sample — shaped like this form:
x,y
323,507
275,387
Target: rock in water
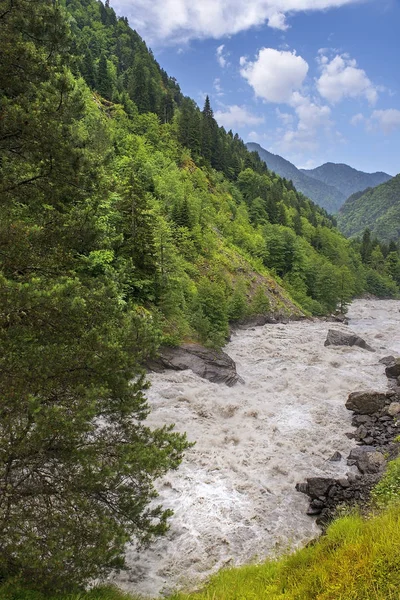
x,y
393,369
366,403
387,360
214,365
338,338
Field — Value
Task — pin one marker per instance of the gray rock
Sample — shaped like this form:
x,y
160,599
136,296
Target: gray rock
x,y
214,365
387,360
338,338
335,457
356,453
371,462
319,486
366,403
393,409
393,370
367,459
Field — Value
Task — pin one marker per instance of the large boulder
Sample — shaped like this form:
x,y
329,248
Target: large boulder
x,y
367,459
338,338
366,403
316,487
214,365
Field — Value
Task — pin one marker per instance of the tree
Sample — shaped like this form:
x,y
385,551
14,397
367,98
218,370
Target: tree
x,y
77,462
104,83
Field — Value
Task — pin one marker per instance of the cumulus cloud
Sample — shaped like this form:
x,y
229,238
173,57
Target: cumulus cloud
x,y
221,57
275,74
341,78
388,120
237,116
175,21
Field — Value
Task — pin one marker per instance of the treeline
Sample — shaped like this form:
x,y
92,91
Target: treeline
x,y
116,237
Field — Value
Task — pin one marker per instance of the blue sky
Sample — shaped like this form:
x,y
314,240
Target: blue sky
x,y
311,80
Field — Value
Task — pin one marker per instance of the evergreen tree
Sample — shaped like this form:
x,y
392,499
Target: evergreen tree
x,y
77,461
104,83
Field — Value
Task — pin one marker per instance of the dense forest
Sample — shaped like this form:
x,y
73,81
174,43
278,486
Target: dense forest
x,y
377,209
129,219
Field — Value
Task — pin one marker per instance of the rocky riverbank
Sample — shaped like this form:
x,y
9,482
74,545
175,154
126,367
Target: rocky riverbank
x,y
377,421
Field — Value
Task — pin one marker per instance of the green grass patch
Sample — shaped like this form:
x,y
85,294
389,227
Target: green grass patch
x,y
358,559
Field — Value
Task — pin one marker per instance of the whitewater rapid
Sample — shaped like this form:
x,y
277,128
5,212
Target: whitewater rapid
x,y
234,497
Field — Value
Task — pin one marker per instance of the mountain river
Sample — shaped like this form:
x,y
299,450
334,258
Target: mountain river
x,y
234,497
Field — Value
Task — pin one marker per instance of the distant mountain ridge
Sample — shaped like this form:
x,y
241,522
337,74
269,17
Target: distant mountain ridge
x,y
322,194
328,185
377,208
346,179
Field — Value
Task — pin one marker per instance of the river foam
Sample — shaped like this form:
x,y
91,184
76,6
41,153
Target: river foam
x,y
234,497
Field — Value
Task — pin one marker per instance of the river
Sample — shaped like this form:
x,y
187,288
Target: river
x,y
234,497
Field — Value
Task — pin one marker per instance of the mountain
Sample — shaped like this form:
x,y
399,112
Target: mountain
x,y
321,193
346,179
377,209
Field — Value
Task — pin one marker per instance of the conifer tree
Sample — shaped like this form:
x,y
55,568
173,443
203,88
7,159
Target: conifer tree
x,y
77,461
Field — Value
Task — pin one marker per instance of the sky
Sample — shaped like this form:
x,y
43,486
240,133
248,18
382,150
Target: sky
x,y
312,80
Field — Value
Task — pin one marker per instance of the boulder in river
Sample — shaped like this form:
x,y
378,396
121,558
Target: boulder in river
x,y
338,338
387,360
366,403
393,369
214,365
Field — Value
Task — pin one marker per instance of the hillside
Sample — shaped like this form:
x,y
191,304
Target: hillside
x,y
128,220
378,209
346,179
326,196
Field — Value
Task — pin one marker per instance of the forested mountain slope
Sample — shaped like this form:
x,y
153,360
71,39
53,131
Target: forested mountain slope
x,y
346,179
377,209
326,196
128,219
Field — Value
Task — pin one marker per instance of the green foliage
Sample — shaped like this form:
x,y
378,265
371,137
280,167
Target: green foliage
x,y
238,304
378,209
260,303
387,491
73,438
210,315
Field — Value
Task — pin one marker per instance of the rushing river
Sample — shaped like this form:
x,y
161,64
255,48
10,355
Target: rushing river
x,y
234,495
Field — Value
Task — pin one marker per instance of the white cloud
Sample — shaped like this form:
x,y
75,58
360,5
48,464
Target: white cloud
x,y
275,74
217,87
388,119
174,21
312,120
357,119
341,78
237,116
286,118
221,57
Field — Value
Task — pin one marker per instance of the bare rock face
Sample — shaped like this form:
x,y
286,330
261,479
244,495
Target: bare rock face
x,y
366,403
338,338
214,365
